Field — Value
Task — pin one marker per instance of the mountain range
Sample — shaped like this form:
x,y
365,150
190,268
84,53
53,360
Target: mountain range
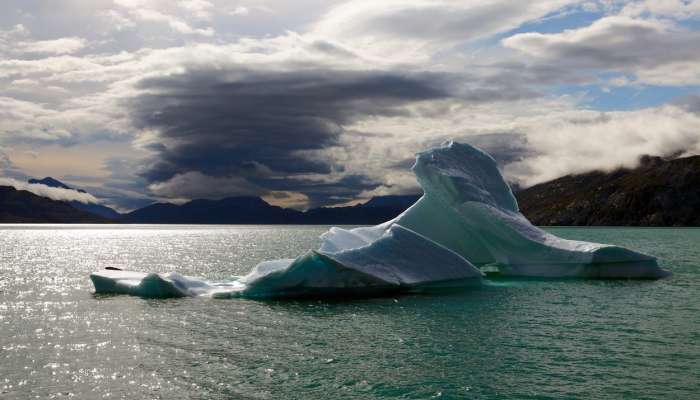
x,y
232,210
254,210
659,192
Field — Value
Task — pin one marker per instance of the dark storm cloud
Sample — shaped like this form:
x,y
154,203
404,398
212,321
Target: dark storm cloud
x,y
258,125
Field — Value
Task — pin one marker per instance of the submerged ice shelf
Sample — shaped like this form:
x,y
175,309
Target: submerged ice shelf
x,y
467,219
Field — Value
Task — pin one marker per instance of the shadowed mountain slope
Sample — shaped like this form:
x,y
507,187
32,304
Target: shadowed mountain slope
x,y
19,206
97,209
657,193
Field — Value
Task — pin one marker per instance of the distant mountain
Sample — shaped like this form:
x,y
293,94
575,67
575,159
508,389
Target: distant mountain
x,y
657,193
97,209
233,210
92,208
393,201
240,210
375,211
19,206
51,182
254,210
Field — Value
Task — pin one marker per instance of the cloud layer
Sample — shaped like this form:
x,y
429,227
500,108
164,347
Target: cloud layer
x,y
324,102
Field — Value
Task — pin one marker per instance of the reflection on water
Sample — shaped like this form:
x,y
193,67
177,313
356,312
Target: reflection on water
x,y
509,339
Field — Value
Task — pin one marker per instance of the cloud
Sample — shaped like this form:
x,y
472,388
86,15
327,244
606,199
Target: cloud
x,y
578,141
59,194
259,125
7,167
117,20
195,185
410,29
34,123
288,199
149,11
654,51
29,120
319,102
201,9
689,103
679,9
55,46
8,36
16,41
240,10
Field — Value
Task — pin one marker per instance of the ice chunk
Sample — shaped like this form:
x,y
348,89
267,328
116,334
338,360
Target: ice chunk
x,y
152,285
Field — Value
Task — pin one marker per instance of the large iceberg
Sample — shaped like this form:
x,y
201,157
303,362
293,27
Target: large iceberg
x,y
467,221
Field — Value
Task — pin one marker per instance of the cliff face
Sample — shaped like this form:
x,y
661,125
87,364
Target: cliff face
x,y
19,206
657,193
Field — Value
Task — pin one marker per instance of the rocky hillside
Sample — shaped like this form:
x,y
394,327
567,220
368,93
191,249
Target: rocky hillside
x,y
657,193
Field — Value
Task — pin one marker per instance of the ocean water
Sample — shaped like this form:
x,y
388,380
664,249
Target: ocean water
x,y
524,339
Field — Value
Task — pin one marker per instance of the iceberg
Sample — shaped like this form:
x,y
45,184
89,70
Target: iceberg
x,y
466,222
153,285
469,208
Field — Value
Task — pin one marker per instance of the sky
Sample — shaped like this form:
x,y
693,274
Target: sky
x,y
311,103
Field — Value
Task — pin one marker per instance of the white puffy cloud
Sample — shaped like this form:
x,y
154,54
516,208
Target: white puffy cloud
x,y
578,141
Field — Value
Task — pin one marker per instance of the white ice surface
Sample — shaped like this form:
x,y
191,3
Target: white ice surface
x,y
398,259
468,218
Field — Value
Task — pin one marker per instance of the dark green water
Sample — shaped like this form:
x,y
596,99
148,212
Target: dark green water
x,y
510,339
